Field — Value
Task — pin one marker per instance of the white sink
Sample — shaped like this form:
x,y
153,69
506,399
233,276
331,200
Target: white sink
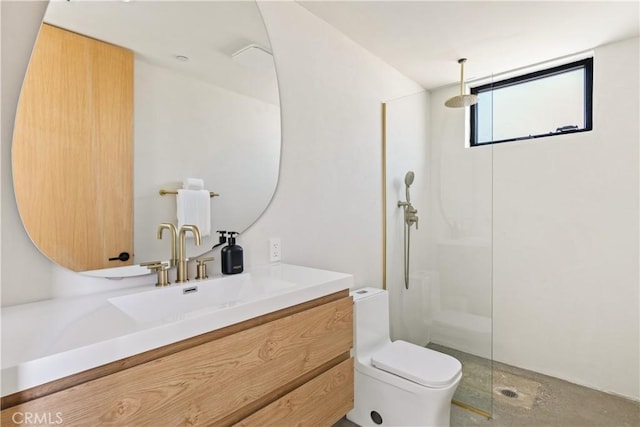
x,y
182,301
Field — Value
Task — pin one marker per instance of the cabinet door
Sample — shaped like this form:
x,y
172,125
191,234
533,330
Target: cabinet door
x,y
320,402
73,150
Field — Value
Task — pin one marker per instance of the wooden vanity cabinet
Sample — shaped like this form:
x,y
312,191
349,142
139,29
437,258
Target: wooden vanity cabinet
x,y
290,367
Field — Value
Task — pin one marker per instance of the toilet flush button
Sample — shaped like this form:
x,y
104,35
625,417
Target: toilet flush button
x,y
366,292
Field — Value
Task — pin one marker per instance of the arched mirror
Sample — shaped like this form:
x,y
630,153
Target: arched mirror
x,y
198,100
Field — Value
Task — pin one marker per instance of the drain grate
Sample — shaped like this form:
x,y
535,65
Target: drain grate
x,y
509,393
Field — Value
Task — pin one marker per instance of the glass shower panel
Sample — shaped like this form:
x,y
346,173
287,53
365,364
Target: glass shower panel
x,y
448,306
406,150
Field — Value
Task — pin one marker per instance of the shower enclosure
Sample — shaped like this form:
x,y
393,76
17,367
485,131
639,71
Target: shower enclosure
x,y
446,301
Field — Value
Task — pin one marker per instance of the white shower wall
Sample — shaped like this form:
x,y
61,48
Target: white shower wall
x,y
566,259
565,232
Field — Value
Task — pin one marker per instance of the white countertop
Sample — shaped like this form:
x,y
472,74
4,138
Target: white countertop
x,y
49,340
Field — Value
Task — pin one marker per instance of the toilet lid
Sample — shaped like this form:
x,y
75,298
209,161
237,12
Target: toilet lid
x,y
418,364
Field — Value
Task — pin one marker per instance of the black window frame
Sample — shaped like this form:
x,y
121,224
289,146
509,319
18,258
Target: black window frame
x,y
586,64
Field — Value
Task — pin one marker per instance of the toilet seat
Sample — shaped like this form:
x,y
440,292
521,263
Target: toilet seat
x,y
418,364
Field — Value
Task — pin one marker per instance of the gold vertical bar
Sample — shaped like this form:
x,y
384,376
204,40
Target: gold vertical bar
x,y
471,408
384,195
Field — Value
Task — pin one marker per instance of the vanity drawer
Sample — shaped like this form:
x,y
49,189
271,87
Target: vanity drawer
x,y
320,402
217,382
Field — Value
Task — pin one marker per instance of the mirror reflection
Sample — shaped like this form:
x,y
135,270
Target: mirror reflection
x,y
205,106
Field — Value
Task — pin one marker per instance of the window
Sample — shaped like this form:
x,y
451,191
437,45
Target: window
x,y
544,103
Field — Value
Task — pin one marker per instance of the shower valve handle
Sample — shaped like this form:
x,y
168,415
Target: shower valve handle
x,y
411,217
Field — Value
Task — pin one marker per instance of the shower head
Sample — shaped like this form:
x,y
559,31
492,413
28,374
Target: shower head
x,y
462,100
408,180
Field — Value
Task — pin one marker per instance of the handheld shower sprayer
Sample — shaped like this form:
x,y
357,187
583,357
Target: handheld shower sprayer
x,y
410,212
408,180
410,218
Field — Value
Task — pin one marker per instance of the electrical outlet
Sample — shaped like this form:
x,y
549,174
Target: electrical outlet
x,y
275,249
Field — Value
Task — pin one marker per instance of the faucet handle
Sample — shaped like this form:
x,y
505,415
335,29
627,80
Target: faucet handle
x,y
150,263
202,268
161,269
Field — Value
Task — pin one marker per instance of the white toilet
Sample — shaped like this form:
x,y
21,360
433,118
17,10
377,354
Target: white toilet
x,y
397,383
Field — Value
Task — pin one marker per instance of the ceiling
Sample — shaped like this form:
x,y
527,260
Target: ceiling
x,y
206,34
424,39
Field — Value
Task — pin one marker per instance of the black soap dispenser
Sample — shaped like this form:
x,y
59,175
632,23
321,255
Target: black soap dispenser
x,y
232,259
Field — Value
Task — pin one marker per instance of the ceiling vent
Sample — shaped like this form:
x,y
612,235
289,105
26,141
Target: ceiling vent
x,y
254,57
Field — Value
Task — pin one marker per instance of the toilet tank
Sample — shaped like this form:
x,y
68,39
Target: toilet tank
x,y
370,320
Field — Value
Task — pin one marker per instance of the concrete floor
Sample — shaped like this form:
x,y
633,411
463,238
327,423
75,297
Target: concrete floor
x,y
545,401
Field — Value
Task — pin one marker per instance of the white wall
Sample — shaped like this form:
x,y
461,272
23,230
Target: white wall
x,y
22,265
565,237
327,208
566,241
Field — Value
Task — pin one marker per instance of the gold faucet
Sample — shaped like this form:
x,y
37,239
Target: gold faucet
x,y
174,241
182,252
